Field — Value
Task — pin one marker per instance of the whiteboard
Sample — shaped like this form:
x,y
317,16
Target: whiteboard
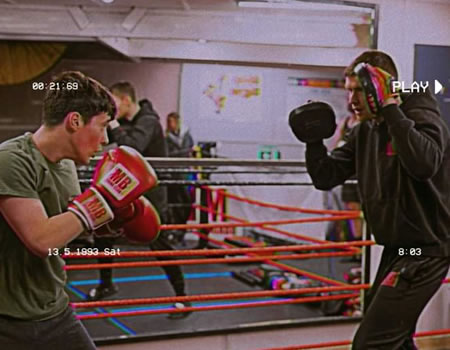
x,y
230,95
245,104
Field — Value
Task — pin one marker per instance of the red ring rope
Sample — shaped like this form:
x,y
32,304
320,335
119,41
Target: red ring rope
x,y
277,230
219,307
204,261
258,223
349,342
289,208
230,251
218,296
284,267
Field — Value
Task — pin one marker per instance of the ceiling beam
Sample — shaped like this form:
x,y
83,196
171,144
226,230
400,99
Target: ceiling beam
x,y
212,26
242,53
120,45
79,17
193,35
133,18
186,5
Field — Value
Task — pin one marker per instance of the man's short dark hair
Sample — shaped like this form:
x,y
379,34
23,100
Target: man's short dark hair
x,y
374,58
124,88
76,93
174,115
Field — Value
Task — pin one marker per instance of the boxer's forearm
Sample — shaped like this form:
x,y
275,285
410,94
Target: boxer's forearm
x,y
39,233
56,232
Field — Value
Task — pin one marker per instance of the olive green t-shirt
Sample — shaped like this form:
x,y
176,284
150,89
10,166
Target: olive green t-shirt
x,y
31,287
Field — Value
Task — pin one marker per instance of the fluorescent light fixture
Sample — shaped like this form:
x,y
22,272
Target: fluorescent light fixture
x,y
108,1
294,5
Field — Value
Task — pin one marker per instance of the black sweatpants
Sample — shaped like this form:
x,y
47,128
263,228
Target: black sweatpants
x,y
402,288
173,272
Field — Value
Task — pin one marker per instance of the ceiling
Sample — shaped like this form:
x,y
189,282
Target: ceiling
x,y
149,4
213,30
165,4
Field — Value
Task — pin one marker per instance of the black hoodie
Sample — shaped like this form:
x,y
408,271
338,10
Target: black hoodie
x,y
144,132
403,169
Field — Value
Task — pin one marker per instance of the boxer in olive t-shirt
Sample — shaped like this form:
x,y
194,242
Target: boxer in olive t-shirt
x,y
37,181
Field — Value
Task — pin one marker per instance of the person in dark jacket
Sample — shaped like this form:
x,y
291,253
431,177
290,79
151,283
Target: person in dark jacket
x,y
138,126
180,144
400,154
179,139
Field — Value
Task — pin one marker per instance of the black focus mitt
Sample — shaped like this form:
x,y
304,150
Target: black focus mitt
x,y
313,122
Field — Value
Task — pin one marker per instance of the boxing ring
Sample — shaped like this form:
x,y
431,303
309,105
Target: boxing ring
x,y
292,289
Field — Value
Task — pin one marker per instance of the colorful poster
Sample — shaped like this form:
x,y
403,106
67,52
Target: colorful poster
x,y
231,96
301,90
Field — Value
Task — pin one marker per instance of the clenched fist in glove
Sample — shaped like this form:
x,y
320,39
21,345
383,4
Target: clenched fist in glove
x,y
376,84
121,177
138,221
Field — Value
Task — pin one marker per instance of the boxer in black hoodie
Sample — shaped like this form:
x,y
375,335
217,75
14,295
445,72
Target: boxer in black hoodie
x,y
400,154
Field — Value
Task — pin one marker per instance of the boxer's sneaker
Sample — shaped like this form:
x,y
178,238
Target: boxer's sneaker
x,y
180,315
102,291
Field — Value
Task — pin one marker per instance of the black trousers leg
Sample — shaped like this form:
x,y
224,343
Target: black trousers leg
x,y
402,288
173,272
101,243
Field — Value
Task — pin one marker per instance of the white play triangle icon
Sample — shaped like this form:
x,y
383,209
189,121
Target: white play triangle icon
x,y
437,87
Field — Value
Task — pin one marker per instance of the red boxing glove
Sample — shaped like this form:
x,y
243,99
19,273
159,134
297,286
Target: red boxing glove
x,y
123,175
139,222
119,178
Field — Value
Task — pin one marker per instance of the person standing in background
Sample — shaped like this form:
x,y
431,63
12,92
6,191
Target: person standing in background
x,y
180,144
179,139
138,126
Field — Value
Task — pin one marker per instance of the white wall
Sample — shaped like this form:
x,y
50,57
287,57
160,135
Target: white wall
x,y
257,120
404,23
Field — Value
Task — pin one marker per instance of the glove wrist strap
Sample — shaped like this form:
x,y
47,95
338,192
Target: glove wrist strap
x,y
92,209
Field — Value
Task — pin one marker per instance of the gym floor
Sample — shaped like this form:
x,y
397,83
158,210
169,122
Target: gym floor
x,y
151,282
